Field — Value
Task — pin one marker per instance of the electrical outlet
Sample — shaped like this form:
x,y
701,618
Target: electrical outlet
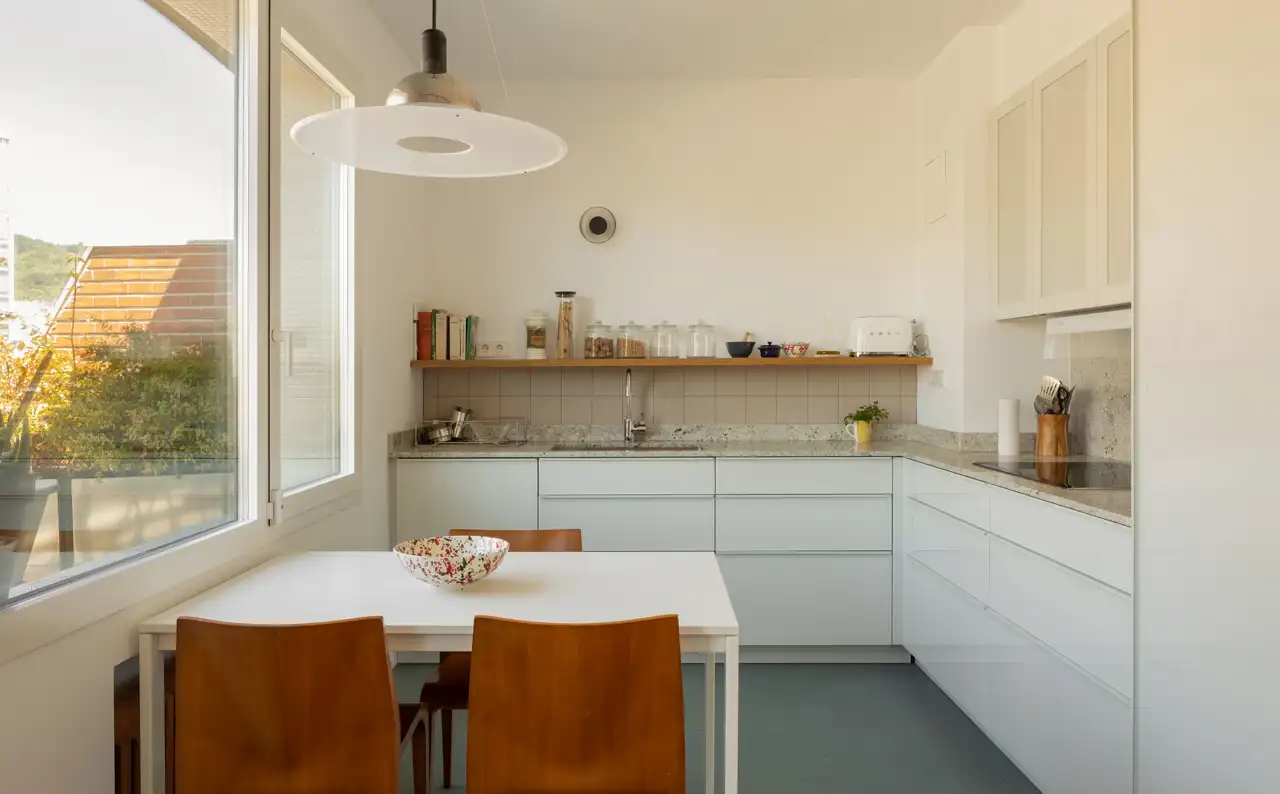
x,y
937,378
494,350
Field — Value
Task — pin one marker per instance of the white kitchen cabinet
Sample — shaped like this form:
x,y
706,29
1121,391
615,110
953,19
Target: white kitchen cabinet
x,y
956,551
1066,182
954,494
1115,158
626,477
1012,183
1080,618
1067,733
435,496
804,523
804,476
811,599
947,632
1062,185
634,523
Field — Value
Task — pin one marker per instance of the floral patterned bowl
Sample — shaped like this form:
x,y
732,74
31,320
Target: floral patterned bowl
x,y
796,349
452,561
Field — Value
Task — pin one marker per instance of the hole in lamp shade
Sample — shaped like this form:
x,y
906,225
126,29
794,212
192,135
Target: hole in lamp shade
x,y
429,144
598,225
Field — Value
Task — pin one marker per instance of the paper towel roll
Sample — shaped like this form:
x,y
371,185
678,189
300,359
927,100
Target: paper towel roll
x,y
1009,437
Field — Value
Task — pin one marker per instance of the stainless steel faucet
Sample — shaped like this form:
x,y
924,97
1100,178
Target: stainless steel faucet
x,y
632,432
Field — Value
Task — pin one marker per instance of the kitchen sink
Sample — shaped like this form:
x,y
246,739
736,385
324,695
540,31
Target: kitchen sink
x,y
599,447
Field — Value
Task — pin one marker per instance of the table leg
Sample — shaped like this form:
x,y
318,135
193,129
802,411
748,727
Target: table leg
x,y
731,715
710,721
151,678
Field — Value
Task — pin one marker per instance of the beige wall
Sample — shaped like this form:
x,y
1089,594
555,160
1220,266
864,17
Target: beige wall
x,y
676,395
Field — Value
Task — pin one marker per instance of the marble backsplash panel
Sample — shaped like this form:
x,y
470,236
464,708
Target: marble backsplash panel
x,y
1102,409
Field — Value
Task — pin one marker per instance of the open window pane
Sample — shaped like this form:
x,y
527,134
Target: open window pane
x,y
119,397
314,261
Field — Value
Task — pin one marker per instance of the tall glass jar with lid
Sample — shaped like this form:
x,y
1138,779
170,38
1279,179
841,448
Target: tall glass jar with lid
x,y
666,341
564,324
702,340
632,341
598,343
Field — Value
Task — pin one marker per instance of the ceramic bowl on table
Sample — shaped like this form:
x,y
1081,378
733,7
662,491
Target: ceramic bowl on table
x,y
452,561
796,349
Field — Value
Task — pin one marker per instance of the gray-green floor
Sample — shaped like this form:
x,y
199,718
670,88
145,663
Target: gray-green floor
x,y
821,729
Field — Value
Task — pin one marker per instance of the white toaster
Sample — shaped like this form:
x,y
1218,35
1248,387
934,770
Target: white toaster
x,y
880,336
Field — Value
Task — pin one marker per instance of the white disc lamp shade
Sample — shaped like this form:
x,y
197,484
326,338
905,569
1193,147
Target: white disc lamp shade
x,y
430,126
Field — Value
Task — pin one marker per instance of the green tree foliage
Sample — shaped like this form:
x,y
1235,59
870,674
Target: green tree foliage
x,y
43,268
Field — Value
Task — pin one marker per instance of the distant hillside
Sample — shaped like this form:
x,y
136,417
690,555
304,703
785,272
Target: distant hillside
x,y
43,268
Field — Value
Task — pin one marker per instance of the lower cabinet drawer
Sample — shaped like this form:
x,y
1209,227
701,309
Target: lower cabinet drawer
x,y
946,631
638,523
1084,620
804,523
811,599
950,547
1068,733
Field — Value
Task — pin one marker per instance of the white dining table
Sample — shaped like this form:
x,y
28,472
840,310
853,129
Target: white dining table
x,y
550,587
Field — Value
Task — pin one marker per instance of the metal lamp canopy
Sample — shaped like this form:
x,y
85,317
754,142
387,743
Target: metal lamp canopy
x,y
431,125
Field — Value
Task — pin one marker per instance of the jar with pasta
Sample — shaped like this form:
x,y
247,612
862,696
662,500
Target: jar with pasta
x,y
564,325
632,341
598,342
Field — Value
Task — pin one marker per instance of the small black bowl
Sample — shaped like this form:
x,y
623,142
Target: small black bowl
x,y
740,349
770,350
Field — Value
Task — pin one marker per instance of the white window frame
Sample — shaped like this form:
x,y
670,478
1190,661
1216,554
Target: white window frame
x,y
174,568
340,491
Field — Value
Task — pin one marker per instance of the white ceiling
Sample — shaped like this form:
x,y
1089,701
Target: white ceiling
x,y
692,39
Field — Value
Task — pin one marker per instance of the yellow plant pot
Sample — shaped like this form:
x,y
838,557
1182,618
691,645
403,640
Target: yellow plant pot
x,y
860,432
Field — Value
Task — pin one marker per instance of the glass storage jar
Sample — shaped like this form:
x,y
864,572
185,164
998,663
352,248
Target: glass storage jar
x,y
564,325
632,342
702,340
666,342
598,342
535,336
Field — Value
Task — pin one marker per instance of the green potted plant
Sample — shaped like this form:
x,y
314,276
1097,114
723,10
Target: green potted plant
x,y
858,424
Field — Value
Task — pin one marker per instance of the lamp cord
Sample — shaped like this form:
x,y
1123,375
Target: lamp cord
x,y
433,13
493,45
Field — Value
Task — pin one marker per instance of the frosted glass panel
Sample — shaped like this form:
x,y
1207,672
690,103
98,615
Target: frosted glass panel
x,y
1064,184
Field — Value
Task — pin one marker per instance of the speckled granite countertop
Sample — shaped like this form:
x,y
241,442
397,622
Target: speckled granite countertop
x,y
1114,506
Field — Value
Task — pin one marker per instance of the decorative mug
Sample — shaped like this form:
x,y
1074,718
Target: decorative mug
x,y
860,432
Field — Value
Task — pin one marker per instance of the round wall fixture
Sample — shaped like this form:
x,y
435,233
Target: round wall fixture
x,y
597,225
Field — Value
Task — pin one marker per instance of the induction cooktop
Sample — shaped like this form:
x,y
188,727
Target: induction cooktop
x,y
1093,474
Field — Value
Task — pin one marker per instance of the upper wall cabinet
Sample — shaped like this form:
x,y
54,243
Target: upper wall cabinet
x,y
1062,185
1115,156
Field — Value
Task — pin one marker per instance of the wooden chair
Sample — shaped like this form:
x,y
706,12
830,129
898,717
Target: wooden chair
x,y
447,691
576,708
300,709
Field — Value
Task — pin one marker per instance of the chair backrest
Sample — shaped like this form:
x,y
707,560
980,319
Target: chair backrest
x,y
302,709
576,708
532,539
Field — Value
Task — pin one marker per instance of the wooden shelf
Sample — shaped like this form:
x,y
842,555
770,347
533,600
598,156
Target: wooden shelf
x,y
641,363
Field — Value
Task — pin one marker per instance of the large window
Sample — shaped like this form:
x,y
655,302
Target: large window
x,y
314,263
123,388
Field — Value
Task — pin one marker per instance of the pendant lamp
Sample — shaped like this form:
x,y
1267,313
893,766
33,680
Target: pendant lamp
x,y
431,125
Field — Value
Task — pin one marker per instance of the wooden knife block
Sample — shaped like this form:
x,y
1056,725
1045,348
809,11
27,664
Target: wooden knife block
x,y
1052,449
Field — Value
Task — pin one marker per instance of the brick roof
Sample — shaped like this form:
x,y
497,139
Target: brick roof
x,y
179,293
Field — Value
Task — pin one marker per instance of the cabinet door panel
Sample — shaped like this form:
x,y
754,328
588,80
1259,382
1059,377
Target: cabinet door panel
x,y
946,630
1067,733
956,495
1115,155
1084,620
804,523
634,523
800,476
953,549
811,599
622,477
1012,183
435,496
1066,180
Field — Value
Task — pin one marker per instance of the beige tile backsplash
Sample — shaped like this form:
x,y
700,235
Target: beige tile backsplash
x,y
675,396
